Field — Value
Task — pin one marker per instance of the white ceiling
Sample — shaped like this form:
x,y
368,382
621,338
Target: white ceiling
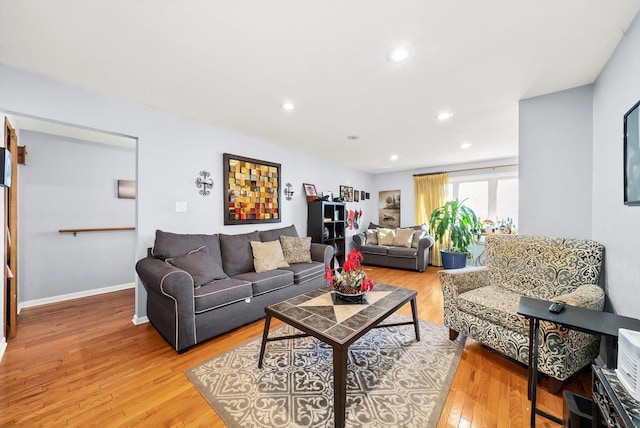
x,y
232,63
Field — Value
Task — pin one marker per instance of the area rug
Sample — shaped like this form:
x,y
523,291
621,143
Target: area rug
x,y
393,380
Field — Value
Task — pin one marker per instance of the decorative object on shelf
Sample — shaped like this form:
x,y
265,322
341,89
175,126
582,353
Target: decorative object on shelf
x,y
288,191
310,191
328,196
351,279
204,183
632,156
389,208
325,233
252,190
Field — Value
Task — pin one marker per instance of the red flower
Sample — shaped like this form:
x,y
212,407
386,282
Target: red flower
x,y
367,285
328,274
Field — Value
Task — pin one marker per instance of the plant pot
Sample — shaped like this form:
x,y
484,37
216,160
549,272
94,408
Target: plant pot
x,y
451,260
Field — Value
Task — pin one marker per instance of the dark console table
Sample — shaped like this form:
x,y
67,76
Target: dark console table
x,y
614,406
581,319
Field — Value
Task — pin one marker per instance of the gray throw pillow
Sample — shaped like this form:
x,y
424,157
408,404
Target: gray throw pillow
x,y
200,264
169,244
237,256
296,250
274,234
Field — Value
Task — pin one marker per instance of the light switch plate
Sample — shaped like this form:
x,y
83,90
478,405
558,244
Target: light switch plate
x,y
181,207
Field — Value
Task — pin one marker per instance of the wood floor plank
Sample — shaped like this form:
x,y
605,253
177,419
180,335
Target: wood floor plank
x,y
84,363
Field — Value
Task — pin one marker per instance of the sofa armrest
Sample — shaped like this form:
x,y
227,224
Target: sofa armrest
x,y
169,287
321,253
458,281
588,296
359,240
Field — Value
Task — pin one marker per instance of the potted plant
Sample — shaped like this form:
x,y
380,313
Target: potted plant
x,y
456,225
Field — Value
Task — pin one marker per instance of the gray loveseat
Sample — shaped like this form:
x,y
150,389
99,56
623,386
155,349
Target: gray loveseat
x,y
402,248
200,286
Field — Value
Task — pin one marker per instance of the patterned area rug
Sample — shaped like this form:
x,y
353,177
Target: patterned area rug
x,y
393,380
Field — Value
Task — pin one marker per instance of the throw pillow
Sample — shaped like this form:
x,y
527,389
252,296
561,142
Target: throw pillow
x,y
403,238
386,236
274,234
236,252
296,250
371,237
200,264
417,236
267,256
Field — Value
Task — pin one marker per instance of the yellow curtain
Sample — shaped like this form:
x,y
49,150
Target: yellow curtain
x,y
431,193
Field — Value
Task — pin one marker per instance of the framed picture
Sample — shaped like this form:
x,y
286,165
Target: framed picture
x,y
368,195
356,196
126,189
310,191
389,208
346,193
632,156
252,190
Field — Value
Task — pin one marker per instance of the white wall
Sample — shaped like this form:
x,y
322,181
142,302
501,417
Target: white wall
x,y
555,150
617,226
71,184
171,152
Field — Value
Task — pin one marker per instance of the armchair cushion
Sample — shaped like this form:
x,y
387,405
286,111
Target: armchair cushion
x,y
200,264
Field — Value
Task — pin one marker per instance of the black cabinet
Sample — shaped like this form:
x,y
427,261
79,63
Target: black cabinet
x,y
326,225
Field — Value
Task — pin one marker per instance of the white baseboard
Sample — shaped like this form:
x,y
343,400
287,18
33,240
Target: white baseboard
x,y
71,296
139,320
3,347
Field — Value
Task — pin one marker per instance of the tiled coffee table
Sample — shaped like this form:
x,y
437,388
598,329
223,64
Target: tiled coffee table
x,y
319,314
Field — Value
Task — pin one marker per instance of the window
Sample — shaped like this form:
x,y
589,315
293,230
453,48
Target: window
x,y
490,196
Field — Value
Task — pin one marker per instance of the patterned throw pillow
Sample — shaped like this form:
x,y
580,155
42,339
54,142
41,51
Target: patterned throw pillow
x,y
267,256
386,236
417,236
296,250
371,237
200,264
403,238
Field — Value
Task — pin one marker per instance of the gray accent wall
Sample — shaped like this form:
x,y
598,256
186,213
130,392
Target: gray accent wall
x,y
617,226
556,163
72,184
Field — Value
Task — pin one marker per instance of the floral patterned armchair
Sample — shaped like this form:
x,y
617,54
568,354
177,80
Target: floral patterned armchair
x,y
482,303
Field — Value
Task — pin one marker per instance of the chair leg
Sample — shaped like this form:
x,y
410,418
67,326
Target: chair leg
x,y
453,334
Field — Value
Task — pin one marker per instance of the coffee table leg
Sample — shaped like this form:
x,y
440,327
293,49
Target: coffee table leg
x,y
416,323
265,335
339,385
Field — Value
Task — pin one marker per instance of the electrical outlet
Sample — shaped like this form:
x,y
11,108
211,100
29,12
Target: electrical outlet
x,y
181,207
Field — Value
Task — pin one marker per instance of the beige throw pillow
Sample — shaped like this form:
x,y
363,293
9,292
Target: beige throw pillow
x,y
386,236
296,250
403,238
417,236
267,256
371,237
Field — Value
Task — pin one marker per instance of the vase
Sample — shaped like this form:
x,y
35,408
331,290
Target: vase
x,y
357,298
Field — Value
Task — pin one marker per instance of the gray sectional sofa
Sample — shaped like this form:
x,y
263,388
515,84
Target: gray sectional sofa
x,y
200,286
401,248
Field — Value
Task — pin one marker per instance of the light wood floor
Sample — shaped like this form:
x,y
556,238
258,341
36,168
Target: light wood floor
x,y
83,363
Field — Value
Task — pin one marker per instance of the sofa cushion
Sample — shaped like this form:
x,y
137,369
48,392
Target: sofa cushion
x,y
237,256
374,249
303,272
371,237
417,236
267,256
200,264
495,305
402,252
403,238
386,236
169,244
265,282
274,234
296,250
221,293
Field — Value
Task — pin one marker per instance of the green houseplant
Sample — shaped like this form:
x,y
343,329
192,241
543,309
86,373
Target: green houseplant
x,y
457,226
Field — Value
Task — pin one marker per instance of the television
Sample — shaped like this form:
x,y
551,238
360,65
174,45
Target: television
x,y
5,163
632,156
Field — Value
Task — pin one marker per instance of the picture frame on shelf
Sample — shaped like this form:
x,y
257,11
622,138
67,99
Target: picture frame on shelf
x,y
632,156
310,191
251,190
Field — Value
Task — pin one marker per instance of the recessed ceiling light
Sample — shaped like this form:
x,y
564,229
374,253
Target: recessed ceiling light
x,y
288,106
465,145
444,115
394,157
399,54
352,137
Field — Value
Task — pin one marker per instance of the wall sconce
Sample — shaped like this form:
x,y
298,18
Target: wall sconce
x,y
204,183
288,191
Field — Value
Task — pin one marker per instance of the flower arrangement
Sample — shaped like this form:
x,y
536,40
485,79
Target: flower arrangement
x,y
351,279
